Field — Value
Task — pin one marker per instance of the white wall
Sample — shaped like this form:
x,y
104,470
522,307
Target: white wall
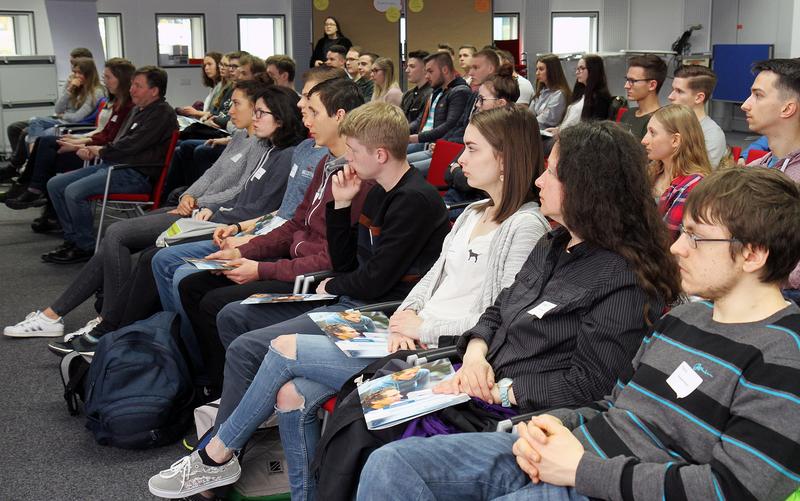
x,y
73,23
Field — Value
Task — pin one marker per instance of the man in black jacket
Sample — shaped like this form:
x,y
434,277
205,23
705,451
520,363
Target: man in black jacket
x,y
142,139
415,98
444,106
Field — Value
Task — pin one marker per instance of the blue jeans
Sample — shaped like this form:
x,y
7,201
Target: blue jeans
x,y
165,264
460,467
421,160
40,126
415,147
318,370
69,193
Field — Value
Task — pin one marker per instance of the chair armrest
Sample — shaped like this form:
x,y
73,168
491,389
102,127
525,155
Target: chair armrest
x,y
507,425
73,128
133,166
387,307
425,356
459,205
311,278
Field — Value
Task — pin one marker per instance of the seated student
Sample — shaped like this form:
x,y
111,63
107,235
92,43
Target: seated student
x,y
447,103
386,89
465,53
773,109
229,65
281,68
337,54
212,80
143,139
111,266
590,97
678,160
525,85
447,301
705,412
53,155
351,62
365,84
16,130
552,92
692,86
76,104
646,75
414,99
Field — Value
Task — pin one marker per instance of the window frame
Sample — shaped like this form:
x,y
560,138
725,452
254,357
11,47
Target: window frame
x,y
205,39
118,15
259,16
506,14
578,13
32,15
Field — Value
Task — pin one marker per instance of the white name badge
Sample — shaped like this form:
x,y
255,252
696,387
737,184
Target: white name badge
x,y
134,126
294,171
539,310
236,157
260,172
114,118
684,380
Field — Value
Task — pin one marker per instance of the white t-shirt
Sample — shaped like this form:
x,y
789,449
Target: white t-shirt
x,y
715,140
464,273
573,114
525,90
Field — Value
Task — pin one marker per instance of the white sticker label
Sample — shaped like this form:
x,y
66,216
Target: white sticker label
x,y
260,172
684,380
114,118
294,171
236,157
134,125
542,308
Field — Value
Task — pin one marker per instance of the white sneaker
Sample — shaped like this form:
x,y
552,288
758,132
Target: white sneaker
x,y
36,324
189,476
91,324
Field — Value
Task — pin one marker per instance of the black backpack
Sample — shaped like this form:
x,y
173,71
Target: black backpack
x,y
138,389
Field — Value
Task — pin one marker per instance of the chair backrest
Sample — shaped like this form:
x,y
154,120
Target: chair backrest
x,y
158,189
755,154
736,152
620,112
443,154
94,116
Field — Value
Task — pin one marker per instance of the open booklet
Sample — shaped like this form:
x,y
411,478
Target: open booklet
x,y
209,264
406,395
357,334
286,298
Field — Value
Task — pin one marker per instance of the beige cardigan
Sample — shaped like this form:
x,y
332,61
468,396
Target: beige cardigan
x,y
513,241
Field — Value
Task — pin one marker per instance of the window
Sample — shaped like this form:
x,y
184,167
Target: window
x,y
262,36
181,39
111,34
506,27
17,34
573,32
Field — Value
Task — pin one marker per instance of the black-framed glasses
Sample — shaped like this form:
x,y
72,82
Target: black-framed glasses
x,y
231,66
258,114
694,239
633,81
480,99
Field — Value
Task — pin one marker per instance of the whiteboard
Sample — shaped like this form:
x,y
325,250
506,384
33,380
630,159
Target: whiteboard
x,y
27,83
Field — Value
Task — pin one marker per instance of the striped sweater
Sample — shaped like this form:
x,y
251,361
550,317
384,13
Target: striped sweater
x,y
736,436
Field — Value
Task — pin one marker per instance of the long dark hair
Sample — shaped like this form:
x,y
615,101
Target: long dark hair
x,y
555,76
596,85
123,70
282,102
339,33
608,202
211,82
513,133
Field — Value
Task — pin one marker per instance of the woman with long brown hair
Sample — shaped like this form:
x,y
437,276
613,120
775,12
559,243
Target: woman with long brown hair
x,y
552,92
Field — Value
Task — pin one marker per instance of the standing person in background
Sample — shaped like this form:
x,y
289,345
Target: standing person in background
x,y
692,86
386,88
646,75
552,92
332,36
211,78
414,99
525,85
675,146
590,96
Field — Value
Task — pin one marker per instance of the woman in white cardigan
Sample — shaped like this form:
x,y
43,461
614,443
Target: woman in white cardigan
x,y
484,251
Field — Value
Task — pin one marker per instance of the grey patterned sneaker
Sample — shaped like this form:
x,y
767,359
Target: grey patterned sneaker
x,y
189,476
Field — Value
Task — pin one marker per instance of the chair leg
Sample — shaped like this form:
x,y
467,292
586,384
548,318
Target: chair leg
x,y
103,210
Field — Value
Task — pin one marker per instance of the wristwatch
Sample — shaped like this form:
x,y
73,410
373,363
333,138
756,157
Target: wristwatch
x,y
504,385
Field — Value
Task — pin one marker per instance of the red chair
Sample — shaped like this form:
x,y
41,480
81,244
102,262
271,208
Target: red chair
x,y
620,112
754,155
443,155
736,152
134,202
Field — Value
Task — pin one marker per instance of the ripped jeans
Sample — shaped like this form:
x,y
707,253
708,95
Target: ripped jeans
x,y
318,370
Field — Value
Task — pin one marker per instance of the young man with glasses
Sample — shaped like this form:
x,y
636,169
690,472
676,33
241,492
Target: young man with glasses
x,y
646,75
708,408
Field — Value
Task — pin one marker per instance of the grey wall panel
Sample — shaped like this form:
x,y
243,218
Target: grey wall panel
x,y
614,25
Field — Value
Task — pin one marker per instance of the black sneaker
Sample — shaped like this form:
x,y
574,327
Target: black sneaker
x,y
7,173
26,200
70,256
45,225
60,348
85,345
14,191
58,250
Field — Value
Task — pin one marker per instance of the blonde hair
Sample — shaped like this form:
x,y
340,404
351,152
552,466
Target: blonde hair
x,y
385,64
378,125
691,156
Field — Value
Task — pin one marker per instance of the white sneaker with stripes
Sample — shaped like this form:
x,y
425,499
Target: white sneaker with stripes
x,y
36,324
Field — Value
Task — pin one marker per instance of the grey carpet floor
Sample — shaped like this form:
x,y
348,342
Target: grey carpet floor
x,y
46,454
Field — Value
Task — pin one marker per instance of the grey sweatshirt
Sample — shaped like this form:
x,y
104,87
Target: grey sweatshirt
x,y
74,115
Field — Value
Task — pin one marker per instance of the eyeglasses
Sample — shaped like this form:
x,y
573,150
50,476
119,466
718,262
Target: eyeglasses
x,y
632,81
580,68
480,99
258,114
231,66
694,239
